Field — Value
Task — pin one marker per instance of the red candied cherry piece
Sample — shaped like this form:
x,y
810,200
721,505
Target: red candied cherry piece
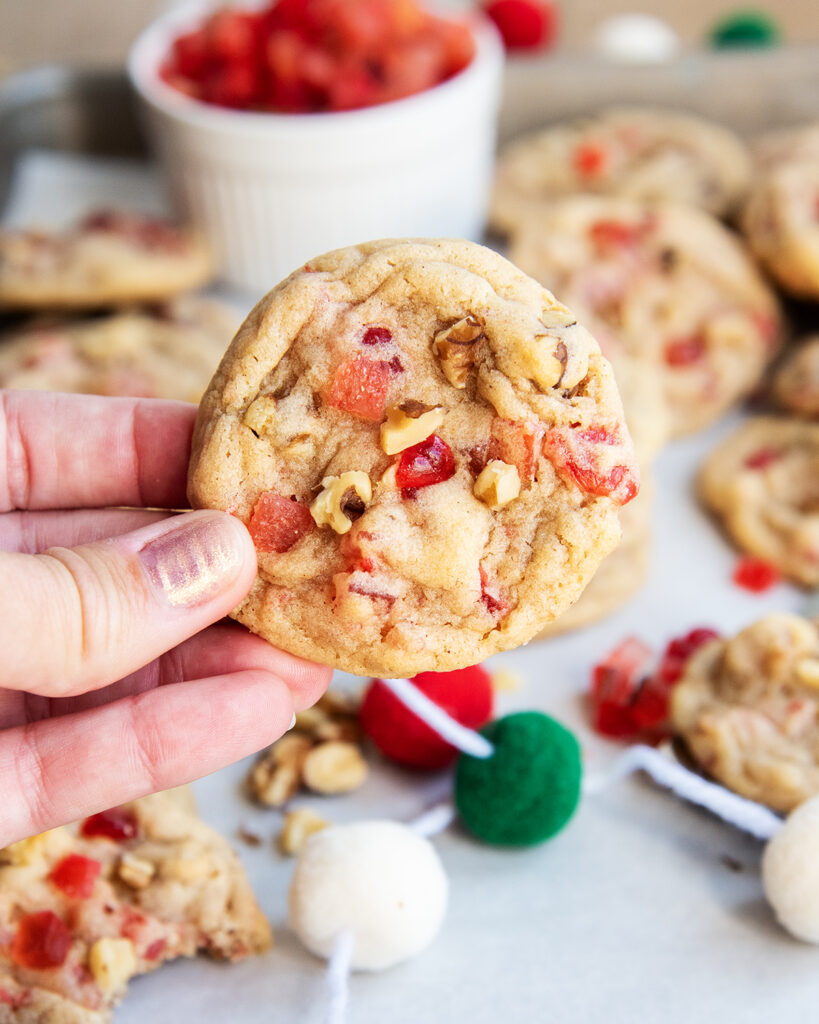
x,y
756,575
359,386
277,523
517,443
16,1000
762,458
189,54
117,823
492,596
684,351
429,462
615,681
524,24
155,950
232,36
401,736
590,159
41,942
615,234
650,706
573,454
377,336
75,875
234,85
679,650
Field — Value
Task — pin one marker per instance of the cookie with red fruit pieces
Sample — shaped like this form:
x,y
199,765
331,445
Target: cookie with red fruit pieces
x,y
762,484
400,735
635,152
663,283
428,450
747,708
84,908
109,258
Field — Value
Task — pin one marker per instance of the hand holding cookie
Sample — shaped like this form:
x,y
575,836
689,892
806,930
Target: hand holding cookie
x,y
107,612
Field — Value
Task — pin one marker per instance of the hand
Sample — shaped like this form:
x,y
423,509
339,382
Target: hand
x,y
115,682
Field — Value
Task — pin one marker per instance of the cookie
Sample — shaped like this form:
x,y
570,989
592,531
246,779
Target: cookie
x,y
665,284
168,352
85,908
796,384
781,224
640,153
762,483
747,710
429,452
110,258
784,145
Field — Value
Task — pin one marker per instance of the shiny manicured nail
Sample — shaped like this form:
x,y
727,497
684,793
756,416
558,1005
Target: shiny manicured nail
x,y
191,562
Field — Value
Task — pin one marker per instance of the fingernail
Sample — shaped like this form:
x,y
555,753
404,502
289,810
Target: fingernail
x,y
292,722
194,560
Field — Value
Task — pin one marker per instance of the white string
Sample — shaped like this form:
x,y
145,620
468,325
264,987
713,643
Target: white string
x,y
745,814
338,978
467,740
433,821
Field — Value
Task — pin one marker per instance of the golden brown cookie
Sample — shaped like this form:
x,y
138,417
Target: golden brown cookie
x,y
796,384
747,709
665,284
429,452
762,483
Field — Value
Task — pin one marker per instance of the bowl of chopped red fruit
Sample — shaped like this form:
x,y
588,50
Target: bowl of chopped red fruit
x,y
299,126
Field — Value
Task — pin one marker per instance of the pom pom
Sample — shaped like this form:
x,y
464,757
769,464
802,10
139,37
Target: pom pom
x,y
636,39
743,30
790,872
400,735
377,880
524,24
528,789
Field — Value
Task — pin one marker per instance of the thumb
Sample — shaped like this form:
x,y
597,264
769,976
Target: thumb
x,y
76,619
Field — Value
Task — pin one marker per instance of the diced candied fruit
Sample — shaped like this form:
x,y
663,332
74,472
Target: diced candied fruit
x,y
15,1000
232,36
517,443
41,942
756,575
574,454
492,597
359,386
278,523
762,458
684,351
190,54
155,950
590,159
117,823
75,875
377,336
615,234
679,650
524,24
429,462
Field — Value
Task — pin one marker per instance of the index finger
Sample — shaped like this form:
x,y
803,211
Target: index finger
x,y
83,451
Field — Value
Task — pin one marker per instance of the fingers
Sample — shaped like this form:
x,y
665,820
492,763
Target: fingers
x,y
33,532
66,768
81,451
76,619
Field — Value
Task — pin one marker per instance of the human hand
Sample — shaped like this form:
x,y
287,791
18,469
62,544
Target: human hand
x,y
114,680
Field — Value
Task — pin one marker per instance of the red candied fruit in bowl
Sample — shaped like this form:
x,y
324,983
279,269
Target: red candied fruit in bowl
x,y
308,56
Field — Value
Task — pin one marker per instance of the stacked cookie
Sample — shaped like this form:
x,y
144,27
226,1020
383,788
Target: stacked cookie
x,y
108,309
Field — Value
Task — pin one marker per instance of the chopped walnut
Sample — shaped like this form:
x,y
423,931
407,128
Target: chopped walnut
x,y
276,776
409,424
112,962
297,828
341,500
259,414
498,484
807,671
455,348
334,767
135,871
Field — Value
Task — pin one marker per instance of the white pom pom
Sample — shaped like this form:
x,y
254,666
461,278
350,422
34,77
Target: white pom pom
x,y
376,879
790,872
636,38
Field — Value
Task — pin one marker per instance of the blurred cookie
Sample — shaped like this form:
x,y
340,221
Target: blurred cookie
x,y
110,258
640,153
429,452
796,384
664,284
762,483
168,352
747,709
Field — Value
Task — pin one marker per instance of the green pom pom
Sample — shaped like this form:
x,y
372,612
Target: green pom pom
x,y
528,789
745,29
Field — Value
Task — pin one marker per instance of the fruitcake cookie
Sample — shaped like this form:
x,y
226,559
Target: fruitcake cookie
x,y
796,384
110,258
85,908
624,151
167,352
781,222
429,452
664,283
747,709
762,482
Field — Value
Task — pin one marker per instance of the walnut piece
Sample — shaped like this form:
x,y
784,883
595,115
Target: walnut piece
x,y
112,962
498,484
455,348
334,767
297,828
409,424
135,871
276,776
328,509
807,671
260,413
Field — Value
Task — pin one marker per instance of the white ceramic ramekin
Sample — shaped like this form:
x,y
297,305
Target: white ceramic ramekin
x,y
272,190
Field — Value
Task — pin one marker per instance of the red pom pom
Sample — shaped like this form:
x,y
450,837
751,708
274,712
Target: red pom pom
x,y
401,736
524,24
